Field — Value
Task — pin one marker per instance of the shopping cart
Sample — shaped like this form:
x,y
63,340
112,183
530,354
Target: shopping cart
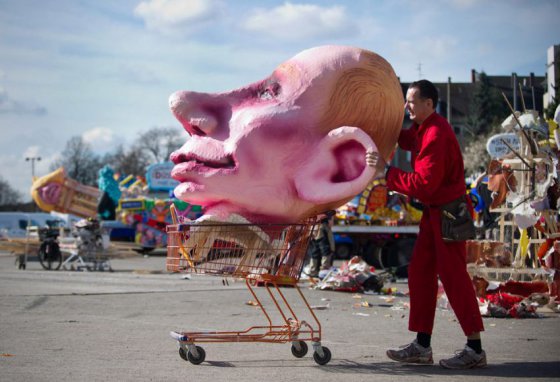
x,y
88,248
268,256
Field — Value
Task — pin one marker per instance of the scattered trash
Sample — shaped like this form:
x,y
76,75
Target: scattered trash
x,y
252,303
389,290
320,307
355,275
387,299
361,314
513,299
443,302
363,304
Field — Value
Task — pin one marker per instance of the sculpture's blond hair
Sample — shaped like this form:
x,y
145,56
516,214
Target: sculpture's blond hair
x,y
370,97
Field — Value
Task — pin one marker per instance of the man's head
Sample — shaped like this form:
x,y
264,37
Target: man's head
x,y
293,144
421,100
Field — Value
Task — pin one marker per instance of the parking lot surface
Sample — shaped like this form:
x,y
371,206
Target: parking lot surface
x,y
114,326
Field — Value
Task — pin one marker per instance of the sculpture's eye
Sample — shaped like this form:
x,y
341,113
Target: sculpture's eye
x,y
269,91
266,94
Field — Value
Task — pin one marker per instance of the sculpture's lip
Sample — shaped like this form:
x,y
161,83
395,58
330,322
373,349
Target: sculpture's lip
x,y
187,164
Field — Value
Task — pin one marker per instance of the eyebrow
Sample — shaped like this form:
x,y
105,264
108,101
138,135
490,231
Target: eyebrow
x,y
270,80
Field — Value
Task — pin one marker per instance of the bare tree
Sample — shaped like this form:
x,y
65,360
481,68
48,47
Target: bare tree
x,y
132,161
475,154
8,195
79,162
160,142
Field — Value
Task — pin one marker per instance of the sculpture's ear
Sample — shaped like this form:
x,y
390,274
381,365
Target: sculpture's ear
x,y
336,169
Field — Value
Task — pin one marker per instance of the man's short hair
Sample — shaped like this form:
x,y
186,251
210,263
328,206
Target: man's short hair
x,y
427,90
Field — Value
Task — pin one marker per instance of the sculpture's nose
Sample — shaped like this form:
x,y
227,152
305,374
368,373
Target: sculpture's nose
x,y
193,111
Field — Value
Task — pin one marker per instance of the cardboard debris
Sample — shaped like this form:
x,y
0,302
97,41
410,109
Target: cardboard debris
x,y
320,307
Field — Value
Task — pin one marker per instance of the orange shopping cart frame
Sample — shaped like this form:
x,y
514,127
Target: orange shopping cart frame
x,y
270,256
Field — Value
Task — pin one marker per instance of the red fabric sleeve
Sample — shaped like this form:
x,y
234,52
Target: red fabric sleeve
x,y
429,170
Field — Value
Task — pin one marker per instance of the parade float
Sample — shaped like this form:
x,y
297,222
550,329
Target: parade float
x,y
82,244
131,208
516,270
145,206
523,179
379,226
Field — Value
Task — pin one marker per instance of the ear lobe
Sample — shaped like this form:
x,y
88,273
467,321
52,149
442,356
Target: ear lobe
x,y
336,169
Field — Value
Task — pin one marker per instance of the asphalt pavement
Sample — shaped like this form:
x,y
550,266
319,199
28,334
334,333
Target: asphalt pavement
x,y
114,326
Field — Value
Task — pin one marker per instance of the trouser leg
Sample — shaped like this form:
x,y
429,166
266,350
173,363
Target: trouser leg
x,y
422,280
315,259
457,283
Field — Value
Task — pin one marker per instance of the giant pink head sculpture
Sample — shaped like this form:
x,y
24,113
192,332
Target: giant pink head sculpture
x,y
292,145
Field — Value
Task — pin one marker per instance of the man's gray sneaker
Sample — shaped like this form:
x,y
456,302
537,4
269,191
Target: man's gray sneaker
x,y
465,359
412,353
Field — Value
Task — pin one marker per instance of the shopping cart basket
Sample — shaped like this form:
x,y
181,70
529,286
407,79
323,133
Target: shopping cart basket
x,y
270,256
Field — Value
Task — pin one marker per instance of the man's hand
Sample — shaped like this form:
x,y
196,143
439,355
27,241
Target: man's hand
x,y
373,159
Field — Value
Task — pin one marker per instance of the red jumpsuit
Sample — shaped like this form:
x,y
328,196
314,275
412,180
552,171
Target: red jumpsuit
x,y
437,178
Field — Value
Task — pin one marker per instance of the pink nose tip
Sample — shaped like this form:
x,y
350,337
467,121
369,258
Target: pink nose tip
x,y
176,99
187,108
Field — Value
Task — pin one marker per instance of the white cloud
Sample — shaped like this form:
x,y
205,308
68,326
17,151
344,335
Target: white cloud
x,y
31,152
101,139
166,15
301,21
17,171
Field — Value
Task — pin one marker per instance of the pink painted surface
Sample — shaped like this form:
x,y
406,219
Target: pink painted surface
x,y
50,193
292,145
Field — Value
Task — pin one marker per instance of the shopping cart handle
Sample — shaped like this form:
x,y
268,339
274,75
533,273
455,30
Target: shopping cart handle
x,y
178,336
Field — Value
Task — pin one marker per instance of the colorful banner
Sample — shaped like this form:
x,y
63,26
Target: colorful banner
x,y
159,177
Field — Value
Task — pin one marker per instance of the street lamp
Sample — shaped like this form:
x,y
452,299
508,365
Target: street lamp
x,y
32,159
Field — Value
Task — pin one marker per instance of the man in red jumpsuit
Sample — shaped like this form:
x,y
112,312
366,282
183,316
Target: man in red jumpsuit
x,y
437,178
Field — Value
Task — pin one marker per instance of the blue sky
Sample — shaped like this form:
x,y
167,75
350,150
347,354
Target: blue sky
x,y
104,69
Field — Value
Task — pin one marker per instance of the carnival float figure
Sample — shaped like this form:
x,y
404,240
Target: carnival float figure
x,y
292,145
110,194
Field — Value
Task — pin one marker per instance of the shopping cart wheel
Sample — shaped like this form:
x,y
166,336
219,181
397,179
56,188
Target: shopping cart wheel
x,y
183,354
325,358
196,360
302,351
